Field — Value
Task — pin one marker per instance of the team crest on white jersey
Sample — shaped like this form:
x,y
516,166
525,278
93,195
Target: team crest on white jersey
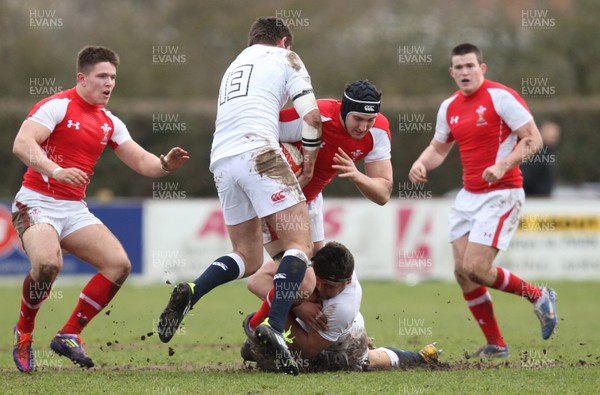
x,y
480,119
71,124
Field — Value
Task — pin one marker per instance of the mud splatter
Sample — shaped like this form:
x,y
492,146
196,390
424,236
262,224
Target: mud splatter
x,y
268,163
294,60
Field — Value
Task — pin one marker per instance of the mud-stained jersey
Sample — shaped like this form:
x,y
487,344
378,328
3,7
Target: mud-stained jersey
x,y
79,133
483,126
341,311
254,88
375,146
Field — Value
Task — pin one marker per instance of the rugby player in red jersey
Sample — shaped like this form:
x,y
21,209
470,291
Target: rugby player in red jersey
x,y
353,130
60,142
495,133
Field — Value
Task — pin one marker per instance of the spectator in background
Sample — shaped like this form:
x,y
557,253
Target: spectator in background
x,y
539,171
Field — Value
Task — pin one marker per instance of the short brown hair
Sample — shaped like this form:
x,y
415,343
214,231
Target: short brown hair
x,y
269,31
90,55
334,262
464,49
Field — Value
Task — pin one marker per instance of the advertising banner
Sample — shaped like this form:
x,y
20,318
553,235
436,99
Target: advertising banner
x,y
123,219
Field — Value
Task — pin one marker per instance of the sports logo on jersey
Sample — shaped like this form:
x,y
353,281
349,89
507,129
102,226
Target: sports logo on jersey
x,y
356,154
278,197
480,119
454,120
105,128
71,124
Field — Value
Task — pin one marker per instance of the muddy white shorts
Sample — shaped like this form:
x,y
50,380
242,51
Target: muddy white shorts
x,y
255,183
489,218
315,216
66,216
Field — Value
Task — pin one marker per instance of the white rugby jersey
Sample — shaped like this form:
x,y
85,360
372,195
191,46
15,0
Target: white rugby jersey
x,y
254,88
341,311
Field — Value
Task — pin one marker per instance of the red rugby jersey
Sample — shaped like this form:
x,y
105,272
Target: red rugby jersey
x,y
80,132
483,126
375,146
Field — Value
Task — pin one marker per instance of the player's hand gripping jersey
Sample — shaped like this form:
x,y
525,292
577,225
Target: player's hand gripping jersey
x,y
483,126
80,132
375,146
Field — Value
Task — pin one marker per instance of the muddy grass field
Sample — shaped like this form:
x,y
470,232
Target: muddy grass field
x,y
204,355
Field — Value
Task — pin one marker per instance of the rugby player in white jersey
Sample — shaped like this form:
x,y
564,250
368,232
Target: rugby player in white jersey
x,y
254,180
328,328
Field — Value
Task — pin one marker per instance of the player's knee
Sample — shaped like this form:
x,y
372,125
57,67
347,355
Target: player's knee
x,y
47,271
473,273
251,284
301,255
308,283
254,283
120,270
460,276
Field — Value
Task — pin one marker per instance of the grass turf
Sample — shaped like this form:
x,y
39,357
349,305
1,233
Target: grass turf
x,y
203,357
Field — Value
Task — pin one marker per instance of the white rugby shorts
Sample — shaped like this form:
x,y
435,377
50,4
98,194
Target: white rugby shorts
x,y
315,215
489,218
66,216
255,183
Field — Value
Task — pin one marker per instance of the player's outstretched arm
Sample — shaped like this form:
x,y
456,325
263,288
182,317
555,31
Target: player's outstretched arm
x,y
375,184
148,164
433,156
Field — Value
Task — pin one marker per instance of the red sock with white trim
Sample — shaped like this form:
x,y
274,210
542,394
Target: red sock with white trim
x,y
480,304
508,282
33,295
264,310
96,295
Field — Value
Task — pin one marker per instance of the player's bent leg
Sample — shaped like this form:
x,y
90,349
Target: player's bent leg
x,y
261,282
246,239
96,245
479,302
477,263
387,357
292,228
42,246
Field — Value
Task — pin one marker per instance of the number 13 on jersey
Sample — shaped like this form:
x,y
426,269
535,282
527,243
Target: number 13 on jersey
x,y
235,84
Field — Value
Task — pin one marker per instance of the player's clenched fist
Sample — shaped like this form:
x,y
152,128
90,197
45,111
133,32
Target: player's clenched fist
x,y
418,173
